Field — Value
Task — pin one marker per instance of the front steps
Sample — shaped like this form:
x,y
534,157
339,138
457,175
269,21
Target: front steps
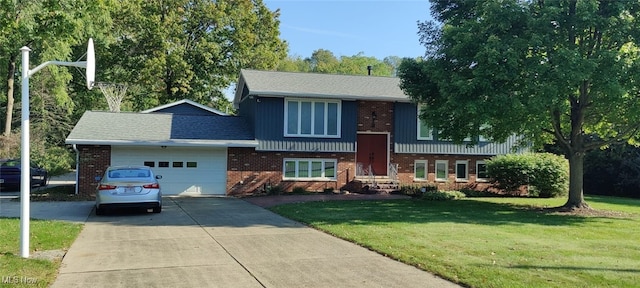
x,y
376,184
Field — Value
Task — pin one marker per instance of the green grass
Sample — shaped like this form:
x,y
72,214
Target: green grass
x,y
492,242
45,235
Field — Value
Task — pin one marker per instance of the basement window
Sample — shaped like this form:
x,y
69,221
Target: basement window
x,y
420,170
442,170
462,170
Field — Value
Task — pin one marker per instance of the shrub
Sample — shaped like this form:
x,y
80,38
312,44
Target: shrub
x,y
416,190
550,176
411,190
614,171
546,174
56,160
274,190
298,190
328,190
442,195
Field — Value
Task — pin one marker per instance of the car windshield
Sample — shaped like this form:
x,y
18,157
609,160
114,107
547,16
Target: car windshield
x,y
129,173
10,163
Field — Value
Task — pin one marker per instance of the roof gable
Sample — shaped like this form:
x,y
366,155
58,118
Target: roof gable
x,y
185,107
314,85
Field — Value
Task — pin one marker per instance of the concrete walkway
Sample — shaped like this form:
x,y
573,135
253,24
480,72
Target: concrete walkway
x,y
223,242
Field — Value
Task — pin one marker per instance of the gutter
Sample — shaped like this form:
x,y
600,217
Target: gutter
x,y
75,148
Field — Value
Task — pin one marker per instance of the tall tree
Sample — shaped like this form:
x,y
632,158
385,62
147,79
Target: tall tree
x,y
176,49
50,29
564,71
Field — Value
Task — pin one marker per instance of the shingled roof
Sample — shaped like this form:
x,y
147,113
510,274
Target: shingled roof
x,y
110,128
314,85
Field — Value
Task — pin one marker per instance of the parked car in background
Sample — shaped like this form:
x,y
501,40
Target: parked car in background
x,y
10,174
128,187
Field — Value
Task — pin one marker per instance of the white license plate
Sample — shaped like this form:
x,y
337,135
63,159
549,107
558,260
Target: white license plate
x,y
129,190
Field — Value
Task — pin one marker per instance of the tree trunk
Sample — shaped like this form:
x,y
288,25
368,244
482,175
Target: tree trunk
x,y
576,176
10,100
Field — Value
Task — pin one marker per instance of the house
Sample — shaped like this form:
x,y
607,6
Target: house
x,y
316,131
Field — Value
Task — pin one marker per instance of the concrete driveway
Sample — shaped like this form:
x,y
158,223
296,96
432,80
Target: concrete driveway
x,y
223,242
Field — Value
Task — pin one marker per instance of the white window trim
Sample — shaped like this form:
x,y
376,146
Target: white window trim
x,y
430,136
466,170
446,164
426,170
326,118
297,161
478,179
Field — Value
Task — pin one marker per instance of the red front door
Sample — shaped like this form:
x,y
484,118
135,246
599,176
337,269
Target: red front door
x,y
373,150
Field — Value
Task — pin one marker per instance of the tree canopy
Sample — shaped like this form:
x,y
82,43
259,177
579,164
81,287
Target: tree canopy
x,y
551,71
324,61
51,29
177,49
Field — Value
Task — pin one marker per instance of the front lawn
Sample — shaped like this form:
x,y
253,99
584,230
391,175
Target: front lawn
x,y
46,236
492,242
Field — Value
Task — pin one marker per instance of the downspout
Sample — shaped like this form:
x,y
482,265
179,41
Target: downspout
x,y
75,148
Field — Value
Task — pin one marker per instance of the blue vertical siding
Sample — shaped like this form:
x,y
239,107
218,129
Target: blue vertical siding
x,y
406,138
269,129
247,110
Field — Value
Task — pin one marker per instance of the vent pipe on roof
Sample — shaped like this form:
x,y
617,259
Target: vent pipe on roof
x,y
369,69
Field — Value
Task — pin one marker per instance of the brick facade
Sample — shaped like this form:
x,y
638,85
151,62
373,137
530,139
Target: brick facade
x,y
250,171
406,170
375,116
93,161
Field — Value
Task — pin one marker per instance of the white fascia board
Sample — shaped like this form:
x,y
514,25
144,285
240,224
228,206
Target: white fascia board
x,y
280,94
181,143
187,101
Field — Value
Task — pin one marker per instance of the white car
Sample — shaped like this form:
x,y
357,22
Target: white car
x,y
128,187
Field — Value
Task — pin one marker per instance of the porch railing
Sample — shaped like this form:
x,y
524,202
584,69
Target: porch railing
x,y
393,172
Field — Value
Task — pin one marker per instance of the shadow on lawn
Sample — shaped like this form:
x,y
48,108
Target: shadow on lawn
x,y
416,211
572,268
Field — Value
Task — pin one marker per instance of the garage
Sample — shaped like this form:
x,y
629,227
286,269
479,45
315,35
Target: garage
x,y
185,142
185,170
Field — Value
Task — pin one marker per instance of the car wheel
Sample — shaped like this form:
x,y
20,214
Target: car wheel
x,y
99,211
157,209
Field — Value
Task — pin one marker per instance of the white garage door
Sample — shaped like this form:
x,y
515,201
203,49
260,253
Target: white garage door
x,y
184,170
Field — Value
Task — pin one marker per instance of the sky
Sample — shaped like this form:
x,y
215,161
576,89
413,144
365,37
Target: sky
x,y
376,28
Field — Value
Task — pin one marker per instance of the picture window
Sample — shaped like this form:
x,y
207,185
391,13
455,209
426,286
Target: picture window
x,y
309,169
308,118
